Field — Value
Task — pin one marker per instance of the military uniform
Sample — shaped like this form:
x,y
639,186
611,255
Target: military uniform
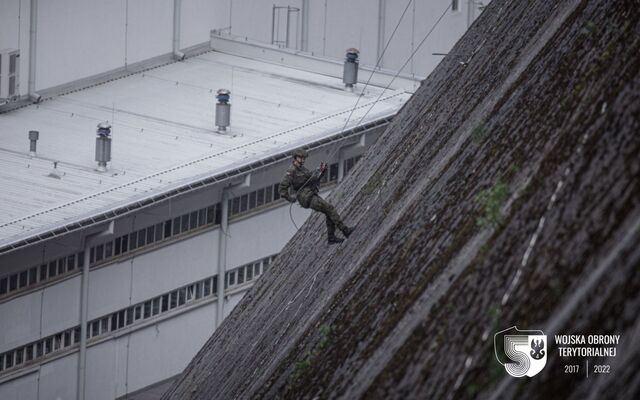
x,y
305,184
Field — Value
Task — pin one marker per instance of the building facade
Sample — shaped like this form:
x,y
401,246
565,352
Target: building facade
x,y
110,283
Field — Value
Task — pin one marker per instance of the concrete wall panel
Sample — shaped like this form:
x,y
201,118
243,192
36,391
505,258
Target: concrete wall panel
x,y
150,29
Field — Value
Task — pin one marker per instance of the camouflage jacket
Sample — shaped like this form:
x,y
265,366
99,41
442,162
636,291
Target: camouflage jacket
x,y
303,182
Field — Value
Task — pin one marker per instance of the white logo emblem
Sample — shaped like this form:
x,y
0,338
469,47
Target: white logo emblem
x,y
521,352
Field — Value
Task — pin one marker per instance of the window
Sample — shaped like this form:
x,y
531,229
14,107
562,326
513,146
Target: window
x,y
211,214
249,272
185,223
133,240
232,278
138,313
235,206
241,275
198,290
193,220
71,262
268,194
108,249
142,238
151,234
116,250
252,200
176,225
121,319
92,257
218,214
43,272
1,362
33,276
348,165
39,349
276,195
125,244
61,265
3,286
159,232
24,277
29,355
202,217
67,339
19,356
266,263
114,321
333,172
244,202
155,306
259,197
57,342
173,301
129,315
53,270
256,269
13,282
95,328
190,293
104,328
76,334
48,346
455,5
147,309
165,303
9,359
182,296
167,228
207,287
99,252
214,284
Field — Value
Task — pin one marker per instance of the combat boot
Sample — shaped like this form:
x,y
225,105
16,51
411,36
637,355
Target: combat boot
x,y
347,230
333,239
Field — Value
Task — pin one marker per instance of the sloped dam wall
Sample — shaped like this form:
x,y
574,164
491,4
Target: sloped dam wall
x,y
506,192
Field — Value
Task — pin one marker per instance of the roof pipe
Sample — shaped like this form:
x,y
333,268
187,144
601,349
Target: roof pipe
x,y
177,54
304,45
382,16
33,33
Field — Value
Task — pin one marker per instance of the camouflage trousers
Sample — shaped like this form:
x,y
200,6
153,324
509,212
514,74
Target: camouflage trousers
x,y
317,203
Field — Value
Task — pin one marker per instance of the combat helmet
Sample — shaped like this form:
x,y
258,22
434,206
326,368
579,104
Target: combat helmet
x,y
300,153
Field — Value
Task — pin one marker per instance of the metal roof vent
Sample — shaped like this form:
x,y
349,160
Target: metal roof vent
x,y
350,75
33,139
223,110
103,145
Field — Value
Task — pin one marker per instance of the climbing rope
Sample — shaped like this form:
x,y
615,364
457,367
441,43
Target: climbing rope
x,y
383,91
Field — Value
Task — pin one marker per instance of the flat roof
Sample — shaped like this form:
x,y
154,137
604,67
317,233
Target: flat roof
x,y
163,136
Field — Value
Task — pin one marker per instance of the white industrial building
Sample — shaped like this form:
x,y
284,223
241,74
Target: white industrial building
x,y
112,239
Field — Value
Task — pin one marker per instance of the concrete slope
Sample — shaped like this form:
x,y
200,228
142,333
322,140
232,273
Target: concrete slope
x,y
506,192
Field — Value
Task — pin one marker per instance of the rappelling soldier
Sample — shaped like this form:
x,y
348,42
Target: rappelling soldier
x,y
305,185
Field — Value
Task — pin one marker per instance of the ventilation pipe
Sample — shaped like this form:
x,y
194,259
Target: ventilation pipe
x,y
223,110
33,138
350,75
103,145
33,31
177,54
